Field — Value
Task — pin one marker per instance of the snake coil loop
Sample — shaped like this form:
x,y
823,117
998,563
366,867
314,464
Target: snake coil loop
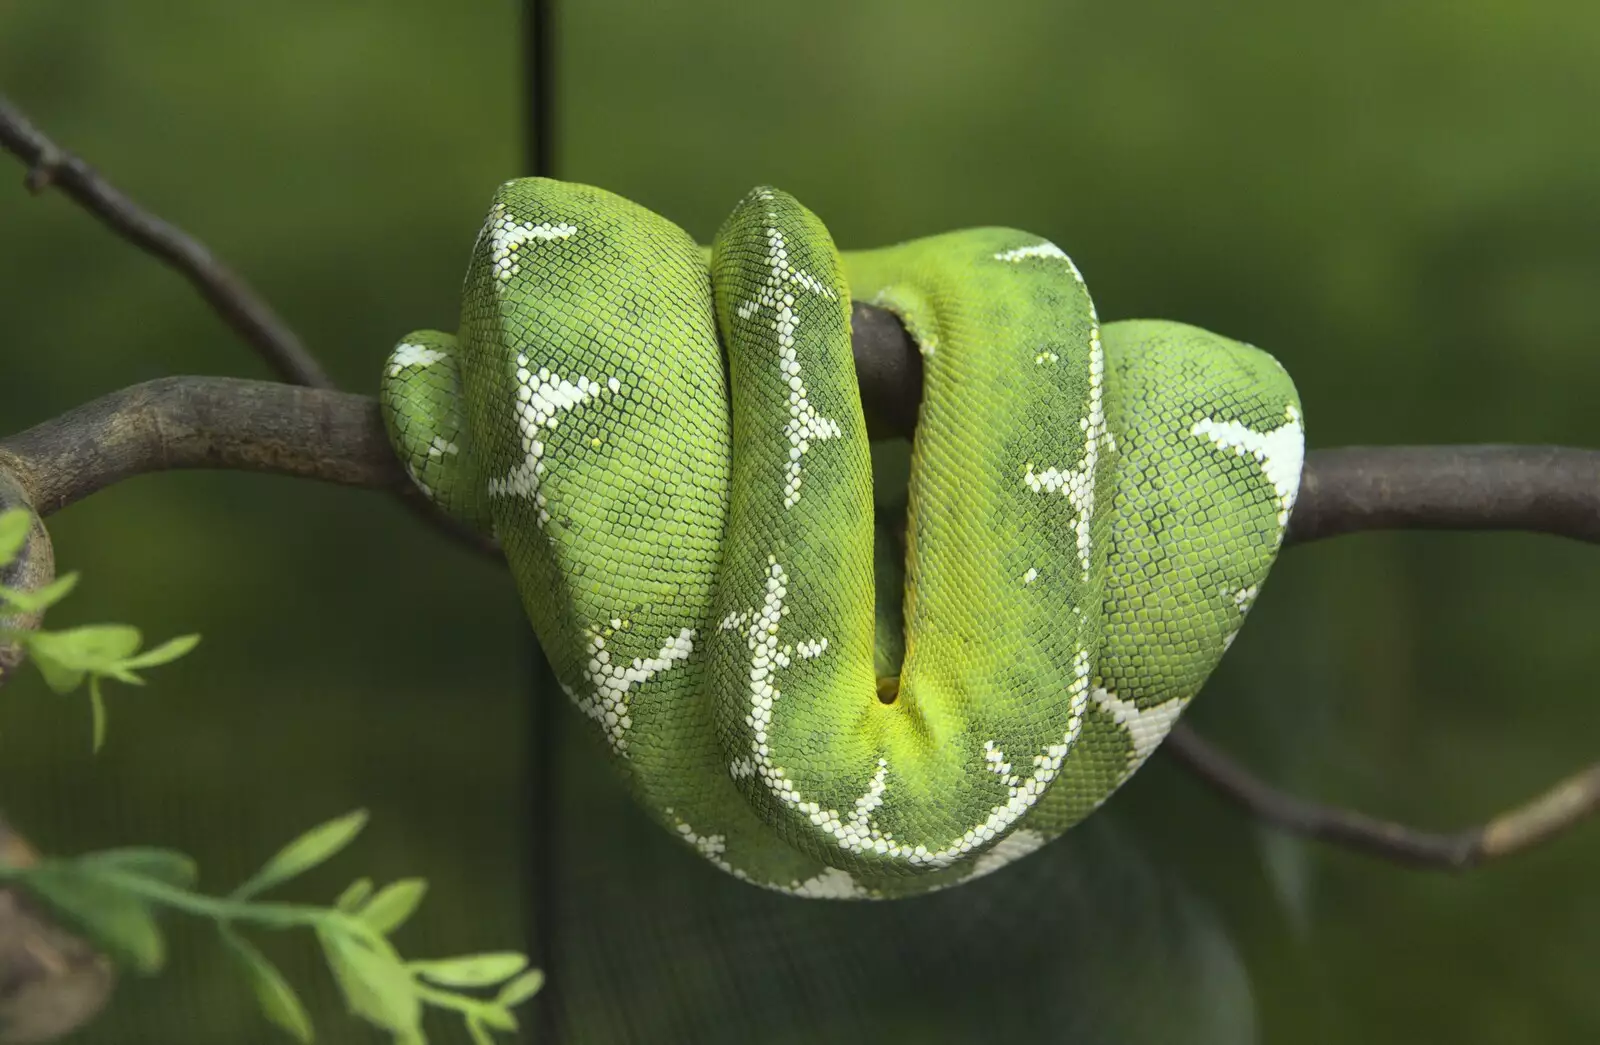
x,y
671,449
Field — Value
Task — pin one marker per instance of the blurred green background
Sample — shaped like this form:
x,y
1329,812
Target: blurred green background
x,y
1400,201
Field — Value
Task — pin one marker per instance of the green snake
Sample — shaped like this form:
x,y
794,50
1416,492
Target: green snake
x,y
817,695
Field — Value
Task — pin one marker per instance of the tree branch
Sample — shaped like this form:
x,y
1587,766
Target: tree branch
x,y
1539,489
239,306
261,426
204,422
230,296
337,437
1537,821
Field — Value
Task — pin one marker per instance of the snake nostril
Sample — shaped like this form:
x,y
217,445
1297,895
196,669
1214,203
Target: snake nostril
x,y
888,689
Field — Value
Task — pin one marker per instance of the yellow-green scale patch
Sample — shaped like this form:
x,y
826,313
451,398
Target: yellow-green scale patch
x,y
1003,589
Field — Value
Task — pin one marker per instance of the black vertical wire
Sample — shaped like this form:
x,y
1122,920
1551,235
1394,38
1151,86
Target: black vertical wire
x,y
542,777
538,70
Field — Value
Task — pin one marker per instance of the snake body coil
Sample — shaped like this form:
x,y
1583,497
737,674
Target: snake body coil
x,y
1090,513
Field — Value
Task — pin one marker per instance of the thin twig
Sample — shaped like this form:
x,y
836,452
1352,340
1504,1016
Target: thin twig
x,y
232,297
1555,811
50,166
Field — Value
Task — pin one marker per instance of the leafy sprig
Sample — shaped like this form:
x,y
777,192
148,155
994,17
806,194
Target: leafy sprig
x,y
93,651
113,896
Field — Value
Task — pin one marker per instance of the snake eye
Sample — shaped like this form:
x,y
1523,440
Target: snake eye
x,y
888,689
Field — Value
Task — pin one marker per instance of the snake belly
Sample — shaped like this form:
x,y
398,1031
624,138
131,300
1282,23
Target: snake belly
x,y
669,445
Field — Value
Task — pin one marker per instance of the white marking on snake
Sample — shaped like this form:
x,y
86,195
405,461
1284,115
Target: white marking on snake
x,y
608,701
858,831
541,400
1077,484
804,424
1045,250
709,846
761,638
1013,846
438,446
1038,250
507,235
890,299
1031,576
1280,452
1145,726
831,884
1243,599
407,354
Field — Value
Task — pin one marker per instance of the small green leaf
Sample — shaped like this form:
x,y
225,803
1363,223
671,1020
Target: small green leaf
x,y
14,526
58,676
165,653
116,920
44,598
521,989
304,853
278,1001
91,647
497,1017
121,674
163,865
97,704
375,985
395,902
473,970
354,895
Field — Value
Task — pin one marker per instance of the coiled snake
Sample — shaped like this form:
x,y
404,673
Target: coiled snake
x,y
669,444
